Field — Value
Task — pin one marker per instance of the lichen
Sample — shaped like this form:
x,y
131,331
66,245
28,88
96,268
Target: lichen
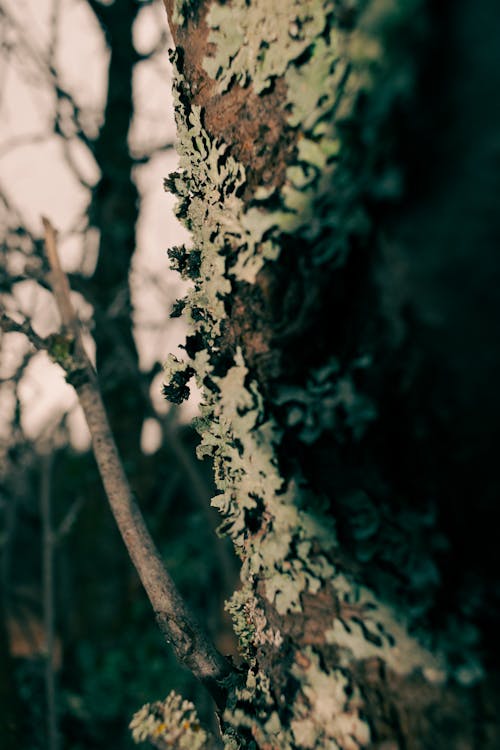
x,y
246,57
250,623
327,711
172,723
329,401
366,628
321,94
183,10
287,543
178,374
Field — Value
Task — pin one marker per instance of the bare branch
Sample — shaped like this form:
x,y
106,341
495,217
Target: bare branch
x,y
146,153
48,599
45,72
54,30
9,325
59,280
191,644
70,161
69,520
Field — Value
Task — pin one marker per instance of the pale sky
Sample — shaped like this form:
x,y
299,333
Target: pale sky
x,y
38,181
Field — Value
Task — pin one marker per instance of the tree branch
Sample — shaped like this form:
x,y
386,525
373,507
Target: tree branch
x,y
191,644
8,325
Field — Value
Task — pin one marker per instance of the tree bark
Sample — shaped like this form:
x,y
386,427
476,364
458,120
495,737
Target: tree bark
x,y
337,441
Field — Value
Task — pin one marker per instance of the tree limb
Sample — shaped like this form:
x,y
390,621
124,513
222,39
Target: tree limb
x,y
191,644
9,325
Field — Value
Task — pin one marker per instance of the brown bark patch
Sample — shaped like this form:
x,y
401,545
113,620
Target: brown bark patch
x,y
407,712
255,129
249,325
306,628
253,126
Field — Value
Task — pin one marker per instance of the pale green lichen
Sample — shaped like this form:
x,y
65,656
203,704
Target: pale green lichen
x,y
327,711
366,628
171,723
208,185
283,36
317,88
289,552
243,447
249,620
177,375
320,200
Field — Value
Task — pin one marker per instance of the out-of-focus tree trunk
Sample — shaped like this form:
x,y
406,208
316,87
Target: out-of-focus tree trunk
x,y
336,174
11,710
113,211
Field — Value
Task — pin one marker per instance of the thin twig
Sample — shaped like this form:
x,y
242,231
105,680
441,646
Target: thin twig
x,y
192,646
9,325
59,281
48,601
69,520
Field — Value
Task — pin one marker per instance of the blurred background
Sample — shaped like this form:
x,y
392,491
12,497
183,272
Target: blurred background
x,y
86,138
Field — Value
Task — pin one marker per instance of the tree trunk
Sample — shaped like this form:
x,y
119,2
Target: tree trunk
x,y
325,174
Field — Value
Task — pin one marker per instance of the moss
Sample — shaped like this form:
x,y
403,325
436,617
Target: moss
x,y
62,351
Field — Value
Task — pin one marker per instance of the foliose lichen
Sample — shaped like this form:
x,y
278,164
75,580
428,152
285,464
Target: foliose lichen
x,y
329,401
172,723
327,711
183,10
249,58
178,374
286,543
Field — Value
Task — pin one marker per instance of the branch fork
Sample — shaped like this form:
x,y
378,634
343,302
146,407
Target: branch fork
x,y
192,645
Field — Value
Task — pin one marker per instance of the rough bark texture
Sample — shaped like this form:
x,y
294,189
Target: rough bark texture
x,y
324,409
